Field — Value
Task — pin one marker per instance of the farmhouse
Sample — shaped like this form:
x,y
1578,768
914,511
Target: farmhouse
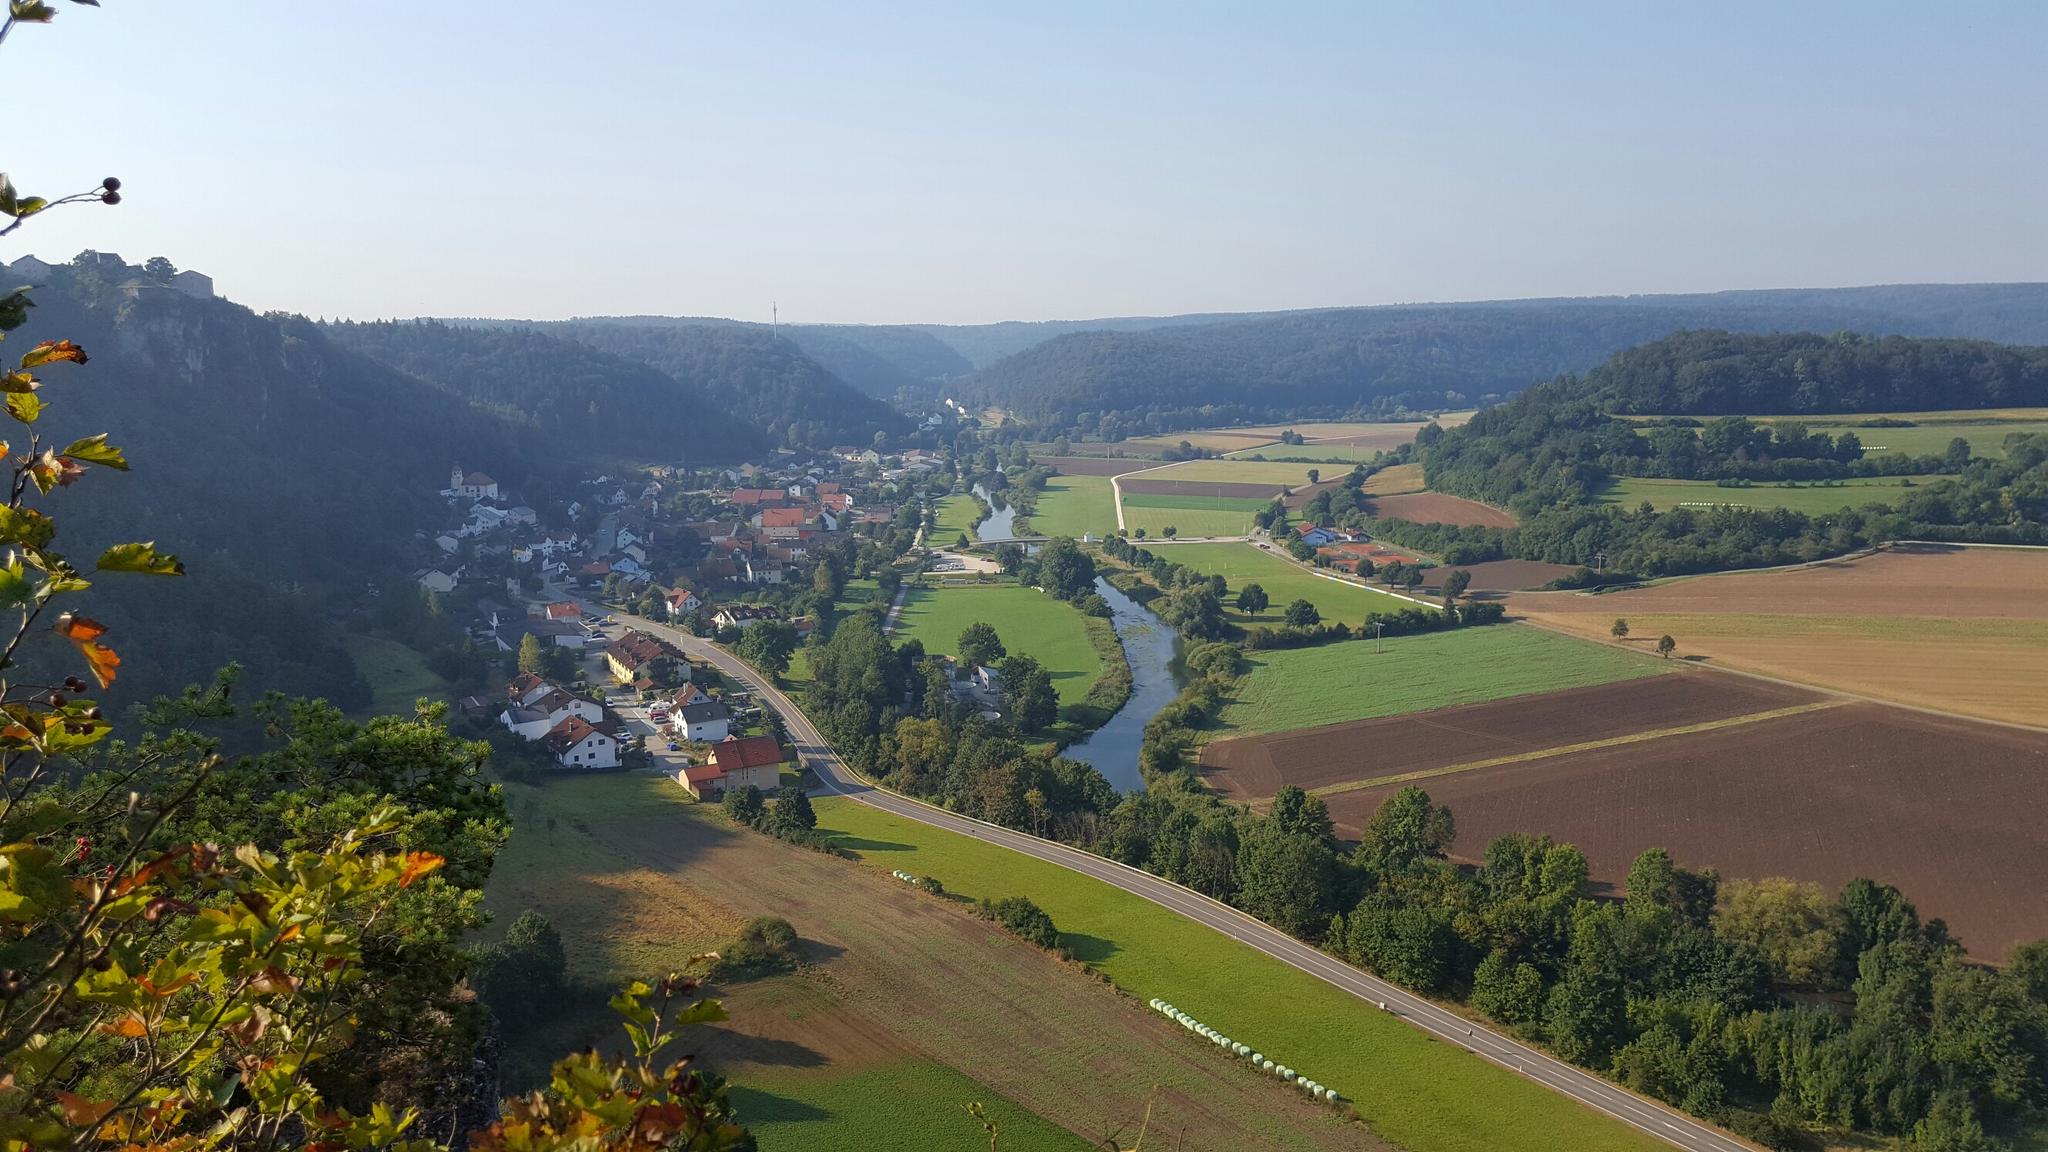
x,y
527,687
1315,535
735,763
745,615
680,601
575,744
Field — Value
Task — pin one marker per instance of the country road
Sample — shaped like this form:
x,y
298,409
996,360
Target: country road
x,y
1649,1116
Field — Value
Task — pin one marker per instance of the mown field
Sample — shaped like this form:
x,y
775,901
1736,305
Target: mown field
x,y
1243,472
1811,497
904,1009
1027,620
954,516
398,676
1284,581
1423,1095
1958,629
1075,506
1930,432
1189,515
1395,481
1357,679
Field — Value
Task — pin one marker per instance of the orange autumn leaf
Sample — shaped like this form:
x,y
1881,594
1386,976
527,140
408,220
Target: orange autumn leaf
x,y
84,633
418,864
52,352
79,1111
130,1026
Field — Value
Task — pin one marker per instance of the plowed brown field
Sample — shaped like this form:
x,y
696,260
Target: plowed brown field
x,y
1255,767
1951,811
1437,508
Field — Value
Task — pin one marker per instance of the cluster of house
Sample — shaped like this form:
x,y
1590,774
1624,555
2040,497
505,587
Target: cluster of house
x,y
575,730
140,279
1319,535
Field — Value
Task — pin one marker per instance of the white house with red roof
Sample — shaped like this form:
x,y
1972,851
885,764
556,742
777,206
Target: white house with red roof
x,y
576,744
471,485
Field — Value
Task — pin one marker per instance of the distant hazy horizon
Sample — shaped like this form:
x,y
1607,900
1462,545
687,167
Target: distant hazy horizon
x,y
929,164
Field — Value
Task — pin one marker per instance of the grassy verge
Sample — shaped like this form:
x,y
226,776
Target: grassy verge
x,y
398,676
1422,1094
1359,679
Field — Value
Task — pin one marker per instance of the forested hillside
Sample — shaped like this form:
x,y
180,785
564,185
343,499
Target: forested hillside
x,y
580,398
747,372
288,473
1160,374
883,359
1713,373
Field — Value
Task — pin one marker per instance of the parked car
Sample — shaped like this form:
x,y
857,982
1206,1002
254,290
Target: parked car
x,y
674,747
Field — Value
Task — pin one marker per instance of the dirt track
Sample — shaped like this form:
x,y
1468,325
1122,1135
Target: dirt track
x,y
1949,811
1437,508
1254,767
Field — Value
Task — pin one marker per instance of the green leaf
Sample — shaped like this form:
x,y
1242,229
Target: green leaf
x,y
96,450
142,557
15,588
26,527
24,406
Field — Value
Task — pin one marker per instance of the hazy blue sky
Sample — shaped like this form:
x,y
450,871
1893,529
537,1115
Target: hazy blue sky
x,y
896,162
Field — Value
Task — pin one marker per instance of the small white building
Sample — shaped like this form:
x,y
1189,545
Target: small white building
x,y
708,722
472,485
575,744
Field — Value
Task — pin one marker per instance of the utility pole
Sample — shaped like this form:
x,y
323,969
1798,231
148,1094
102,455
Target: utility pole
x,y
774,318
1379,629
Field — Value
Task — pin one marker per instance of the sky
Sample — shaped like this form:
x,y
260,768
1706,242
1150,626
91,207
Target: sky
x,y
972,162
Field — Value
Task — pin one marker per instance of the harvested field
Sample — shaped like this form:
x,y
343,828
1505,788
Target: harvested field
x,y
1149,486
1437,508
1073,506
1254,767
1948,810
1349,553
1399,480
1956,629
1499,575
1092,465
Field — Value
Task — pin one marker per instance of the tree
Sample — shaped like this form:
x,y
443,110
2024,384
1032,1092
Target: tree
x,y
522,978
1793,923
980,645
1455,584
530,656
1252,600
161,270
1666,646
1300,814
1027,694
1194,610
1302,614
1315,475
2028,963
1284,878
769,645
1406,830
827,581
1169,531
792,814
743,804
1065,570
1509,992
1620,629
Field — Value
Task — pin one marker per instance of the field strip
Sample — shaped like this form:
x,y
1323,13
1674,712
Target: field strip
x,y
1116,488
1569,749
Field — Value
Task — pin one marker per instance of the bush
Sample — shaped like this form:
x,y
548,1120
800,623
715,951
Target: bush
x,y
743,805
1023,918
766,945
931,885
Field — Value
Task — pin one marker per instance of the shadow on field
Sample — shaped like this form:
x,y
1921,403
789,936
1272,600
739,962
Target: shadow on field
x,y
764,1050
863,844
817,951
1088,949
755,1106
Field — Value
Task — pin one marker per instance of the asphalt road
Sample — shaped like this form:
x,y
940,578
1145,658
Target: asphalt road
x,y
1647,1115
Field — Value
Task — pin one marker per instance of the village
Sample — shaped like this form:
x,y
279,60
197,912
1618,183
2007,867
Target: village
x,y
712,553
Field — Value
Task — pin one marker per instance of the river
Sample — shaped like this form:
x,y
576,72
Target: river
x,y
1156,678
1000,523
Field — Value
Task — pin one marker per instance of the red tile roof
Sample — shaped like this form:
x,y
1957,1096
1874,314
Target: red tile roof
x,y
573,730
735,752
700,773
783,517
522,684
565,610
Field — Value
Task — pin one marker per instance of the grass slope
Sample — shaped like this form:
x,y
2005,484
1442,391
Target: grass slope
x,y
1284,582
955,515
1424,1095
1807,498
800,1111
398,676
1075,506
1029,621
1357,679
